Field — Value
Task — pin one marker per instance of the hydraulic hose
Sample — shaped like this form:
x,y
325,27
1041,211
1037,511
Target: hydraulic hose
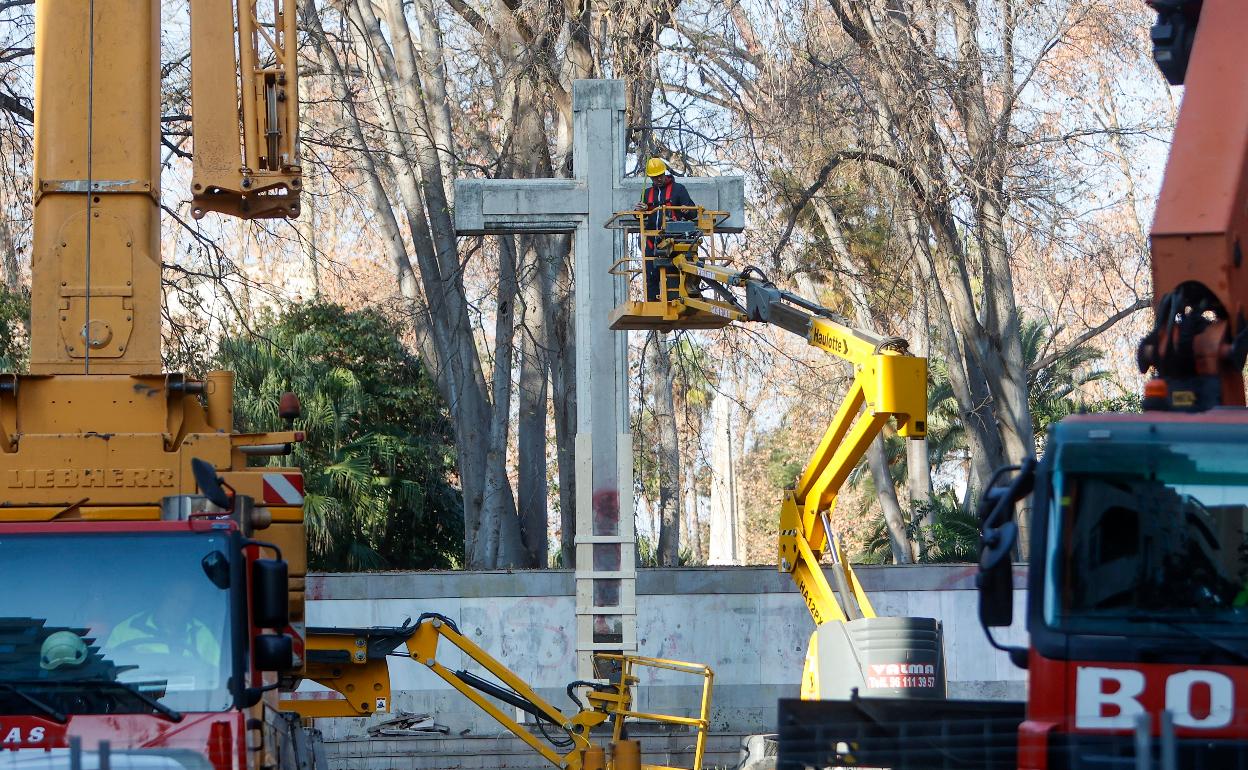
x,y
507,696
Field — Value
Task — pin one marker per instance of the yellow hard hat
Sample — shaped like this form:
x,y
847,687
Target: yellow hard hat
x,y
656,167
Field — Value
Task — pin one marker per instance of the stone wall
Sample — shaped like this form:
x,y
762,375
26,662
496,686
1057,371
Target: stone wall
x,y
748,623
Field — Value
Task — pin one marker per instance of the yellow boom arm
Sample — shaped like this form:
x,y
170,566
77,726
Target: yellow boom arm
x,y
245,109
354,662
888,383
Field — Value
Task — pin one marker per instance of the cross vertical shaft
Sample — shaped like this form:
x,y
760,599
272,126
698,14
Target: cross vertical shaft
x,y
605,559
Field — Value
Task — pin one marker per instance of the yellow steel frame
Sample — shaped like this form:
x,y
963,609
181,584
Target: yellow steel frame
x,y
364,683
888,384
246,109
618,702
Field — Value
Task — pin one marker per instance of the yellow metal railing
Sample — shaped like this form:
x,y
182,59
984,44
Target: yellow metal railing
x,y
621,705
675,263
651,224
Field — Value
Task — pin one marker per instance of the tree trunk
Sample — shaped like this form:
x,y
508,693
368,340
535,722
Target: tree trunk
x,y
499,543
886,491
894,519
1000,312
985,360
1006,370
690,535
443,327
526,546
531,484
968,386
725,534
669,502
918,464
530,157
561,355
8,248
430,62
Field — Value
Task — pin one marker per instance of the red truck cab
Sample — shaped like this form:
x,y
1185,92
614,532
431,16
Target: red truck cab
x,y
150,635
1137,609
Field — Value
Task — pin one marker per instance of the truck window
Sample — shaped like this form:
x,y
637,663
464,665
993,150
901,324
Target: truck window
x,y
1149,531
138,608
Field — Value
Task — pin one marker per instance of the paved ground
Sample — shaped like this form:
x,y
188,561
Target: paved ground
x,y
504,751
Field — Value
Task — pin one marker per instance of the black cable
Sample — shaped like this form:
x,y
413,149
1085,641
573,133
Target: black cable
x,y
502,691
900,344
724,293
595,686
438,616
751,269
561,744
572,693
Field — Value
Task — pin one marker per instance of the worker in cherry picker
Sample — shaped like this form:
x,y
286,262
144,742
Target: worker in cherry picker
x,y
663,191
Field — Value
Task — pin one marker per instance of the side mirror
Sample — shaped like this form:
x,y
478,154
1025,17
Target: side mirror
x,y
217,567
274,652
997,504
210,484
270,598
996,593
998,537
249,697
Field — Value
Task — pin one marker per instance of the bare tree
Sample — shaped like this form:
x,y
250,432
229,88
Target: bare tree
x,y
669,498
402,154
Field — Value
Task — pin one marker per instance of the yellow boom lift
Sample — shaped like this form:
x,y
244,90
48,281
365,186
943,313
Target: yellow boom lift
x,y
851,647
152,562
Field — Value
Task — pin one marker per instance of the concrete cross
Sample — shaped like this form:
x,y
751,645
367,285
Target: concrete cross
x,y
605,540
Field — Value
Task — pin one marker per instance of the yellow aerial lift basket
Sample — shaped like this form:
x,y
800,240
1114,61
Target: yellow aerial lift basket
x,y
674,240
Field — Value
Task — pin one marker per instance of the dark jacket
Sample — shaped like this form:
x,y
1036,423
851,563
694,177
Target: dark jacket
x,y
671,194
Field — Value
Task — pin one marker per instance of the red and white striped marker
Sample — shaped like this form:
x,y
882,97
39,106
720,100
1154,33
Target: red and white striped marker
x,y
283,488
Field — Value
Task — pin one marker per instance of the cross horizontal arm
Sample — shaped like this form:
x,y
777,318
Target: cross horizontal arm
x,y
497,206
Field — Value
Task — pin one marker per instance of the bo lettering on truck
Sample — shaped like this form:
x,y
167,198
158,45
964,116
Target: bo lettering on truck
x,y
1111,698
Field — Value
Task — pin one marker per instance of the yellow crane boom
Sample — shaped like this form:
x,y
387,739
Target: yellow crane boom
x,y
95,266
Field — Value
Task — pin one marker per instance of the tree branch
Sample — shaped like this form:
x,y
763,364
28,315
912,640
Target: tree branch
x,y
176,150
474,19
10,103
9,54
821,179
1048,360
